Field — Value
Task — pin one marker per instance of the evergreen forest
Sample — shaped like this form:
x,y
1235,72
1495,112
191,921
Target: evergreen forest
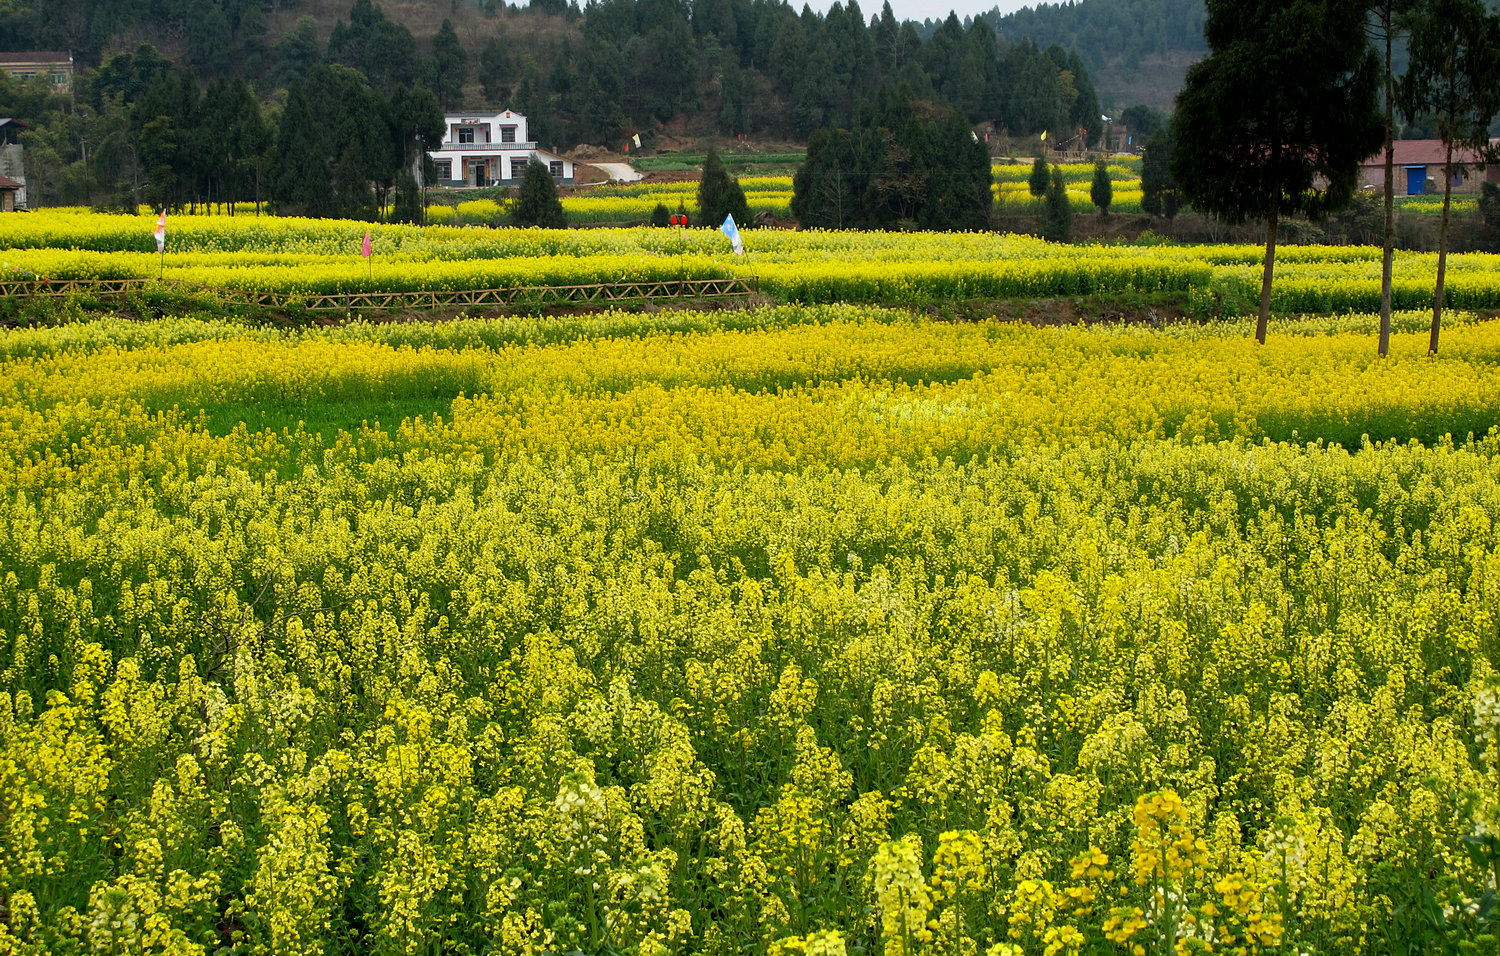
x,y
596,74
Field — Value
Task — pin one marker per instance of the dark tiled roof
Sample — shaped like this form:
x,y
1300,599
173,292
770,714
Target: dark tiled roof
x,y
40,57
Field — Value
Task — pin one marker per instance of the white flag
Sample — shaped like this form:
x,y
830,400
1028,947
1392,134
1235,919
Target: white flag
x,y
637,138
732,231
161,231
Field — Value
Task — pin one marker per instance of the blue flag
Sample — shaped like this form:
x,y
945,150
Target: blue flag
x,y
732,231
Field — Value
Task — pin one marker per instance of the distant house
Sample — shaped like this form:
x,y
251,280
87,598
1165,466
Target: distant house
x,y
12,158
56,67
8,189
1419,160
491,149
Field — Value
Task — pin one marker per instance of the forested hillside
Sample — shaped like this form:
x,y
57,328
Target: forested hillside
x,y
158,79
1137,50
598,74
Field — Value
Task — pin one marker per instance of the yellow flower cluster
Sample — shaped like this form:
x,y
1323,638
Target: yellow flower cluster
x,y
1013,195
826,943
902,895
1122,926
637,205
1034,906
1249,911
1165,847
957,864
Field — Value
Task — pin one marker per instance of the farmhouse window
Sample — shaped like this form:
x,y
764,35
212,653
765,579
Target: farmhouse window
x,y
507,134
466,134
557,169
518,169
445,169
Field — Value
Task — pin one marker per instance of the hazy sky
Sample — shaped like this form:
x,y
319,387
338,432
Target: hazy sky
x,y
920,10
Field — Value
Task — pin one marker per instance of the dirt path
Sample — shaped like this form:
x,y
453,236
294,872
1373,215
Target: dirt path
x,y
619,172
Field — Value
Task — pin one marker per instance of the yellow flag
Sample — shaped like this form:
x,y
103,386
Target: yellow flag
x,y
1044,134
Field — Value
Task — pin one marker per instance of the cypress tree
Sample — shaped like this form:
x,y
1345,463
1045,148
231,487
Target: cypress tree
x,y
894,170
1158,188
1057,220
538,205
1101,192
496,70
450,66
1389,20
1040,178
719,194
408,205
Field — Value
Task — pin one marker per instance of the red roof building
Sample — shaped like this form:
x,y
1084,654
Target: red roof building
x,y
1419,168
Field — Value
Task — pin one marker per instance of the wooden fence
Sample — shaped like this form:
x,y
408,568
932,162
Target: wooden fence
x,y
61,288
604,292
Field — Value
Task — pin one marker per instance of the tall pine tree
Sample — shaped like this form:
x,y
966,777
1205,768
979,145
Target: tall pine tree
x,y
450,67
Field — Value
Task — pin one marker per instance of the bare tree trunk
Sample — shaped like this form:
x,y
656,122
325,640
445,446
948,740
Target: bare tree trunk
x,y
1265,279
1437,295
1387,250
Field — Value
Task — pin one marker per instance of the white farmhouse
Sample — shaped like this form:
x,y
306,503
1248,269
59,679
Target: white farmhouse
x,y
492,150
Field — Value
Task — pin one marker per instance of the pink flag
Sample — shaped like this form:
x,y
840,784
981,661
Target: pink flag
x,y
161,231
365,249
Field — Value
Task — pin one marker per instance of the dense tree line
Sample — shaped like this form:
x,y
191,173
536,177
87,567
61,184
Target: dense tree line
x,y
904,164
143,131
343,147
218,35
759,67
612,68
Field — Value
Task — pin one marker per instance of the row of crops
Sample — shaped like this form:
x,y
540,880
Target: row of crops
x,y
634,203
303,256
801,629
1013,191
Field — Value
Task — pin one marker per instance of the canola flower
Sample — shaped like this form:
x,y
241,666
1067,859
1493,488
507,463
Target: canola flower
x,y
805,629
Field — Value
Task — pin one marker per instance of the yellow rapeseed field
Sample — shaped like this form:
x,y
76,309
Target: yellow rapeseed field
x,y
806,629
305,256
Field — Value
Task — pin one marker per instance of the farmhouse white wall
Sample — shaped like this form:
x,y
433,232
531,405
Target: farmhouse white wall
x,y
482,149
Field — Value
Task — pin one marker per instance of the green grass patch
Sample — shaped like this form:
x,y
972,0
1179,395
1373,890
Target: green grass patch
x,y
740,164
324,420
